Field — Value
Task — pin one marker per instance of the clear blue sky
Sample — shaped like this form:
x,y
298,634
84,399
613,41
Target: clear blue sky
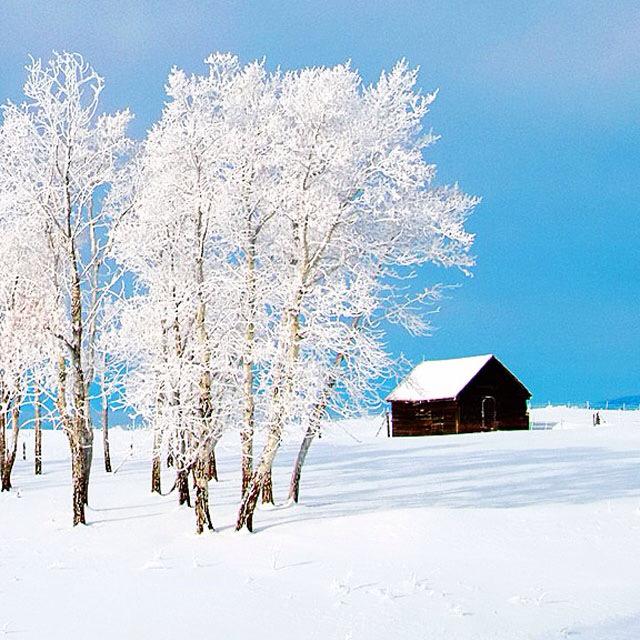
x,y
539,114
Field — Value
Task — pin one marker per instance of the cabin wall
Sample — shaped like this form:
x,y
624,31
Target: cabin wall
x,y
510,413
506,404
424,418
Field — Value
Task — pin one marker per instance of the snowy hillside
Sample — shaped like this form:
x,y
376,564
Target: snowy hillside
x,y
526,535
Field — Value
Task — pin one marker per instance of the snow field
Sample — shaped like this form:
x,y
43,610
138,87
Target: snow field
x,y
525,535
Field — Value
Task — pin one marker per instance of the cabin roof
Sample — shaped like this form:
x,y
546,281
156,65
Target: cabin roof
x,y
438,379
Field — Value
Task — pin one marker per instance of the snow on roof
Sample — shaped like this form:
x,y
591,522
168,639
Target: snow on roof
x,y
438,379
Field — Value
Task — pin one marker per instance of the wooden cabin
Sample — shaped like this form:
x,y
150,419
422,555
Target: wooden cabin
x,y
461,395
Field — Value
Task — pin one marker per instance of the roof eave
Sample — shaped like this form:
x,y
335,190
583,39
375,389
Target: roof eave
x,y
390,399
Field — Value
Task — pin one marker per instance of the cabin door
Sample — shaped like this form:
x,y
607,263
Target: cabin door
x,y
488,413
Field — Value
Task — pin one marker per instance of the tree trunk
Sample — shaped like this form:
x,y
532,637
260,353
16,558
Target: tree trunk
x,y
6,475
170,455
182,479
246,433
80,436
313,429
156,486
74,411
280,398
80,444
38,440
201,485
248,506
250,498
87,451
13,451
38,451
267,489
78,474
246,437
315,421
205,466
182,484
294,487
3,440
79,422
105,434
212,467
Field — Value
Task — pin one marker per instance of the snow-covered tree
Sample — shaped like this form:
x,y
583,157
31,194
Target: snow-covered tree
x,y
276,221
267,231
58,160
358,208
20,348
24,308
172,243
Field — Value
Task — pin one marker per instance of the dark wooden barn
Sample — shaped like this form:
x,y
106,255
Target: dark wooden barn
x,y
462,395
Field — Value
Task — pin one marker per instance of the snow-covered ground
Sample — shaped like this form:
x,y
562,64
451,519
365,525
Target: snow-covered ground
x,y
526,535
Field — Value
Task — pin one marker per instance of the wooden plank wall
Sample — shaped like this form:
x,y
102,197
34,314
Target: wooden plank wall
x,y
423,418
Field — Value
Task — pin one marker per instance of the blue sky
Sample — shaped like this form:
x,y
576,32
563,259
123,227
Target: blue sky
x,y
539,114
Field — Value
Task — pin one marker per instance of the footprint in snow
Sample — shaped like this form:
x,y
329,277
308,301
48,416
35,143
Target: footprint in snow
x,y
340,589
386,594
7,630
524,601
458,611
154,564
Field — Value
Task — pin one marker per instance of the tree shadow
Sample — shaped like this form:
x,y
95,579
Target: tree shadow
x,y
365,479
342,479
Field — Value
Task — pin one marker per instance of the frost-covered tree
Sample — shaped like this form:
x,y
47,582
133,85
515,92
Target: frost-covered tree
x,y
275,223
172,242
268,229
20,352
58,161
358,207
24,308
252,203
